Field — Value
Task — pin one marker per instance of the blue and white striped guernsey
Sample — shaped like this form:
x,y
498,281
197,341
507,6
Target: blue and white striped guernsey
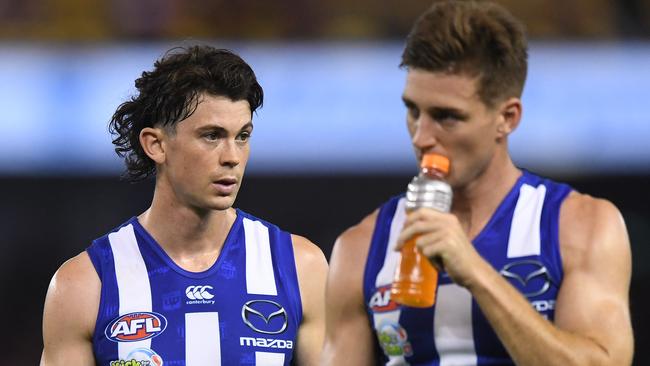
x,y
520,241
244,310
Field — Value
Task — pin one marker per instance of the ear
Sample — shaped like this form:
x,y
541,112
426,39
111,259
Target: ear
x,y
152,142
509,117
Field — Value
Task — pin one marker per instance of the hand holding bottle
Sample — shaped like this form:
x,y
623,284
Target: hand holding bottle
x,y
416,279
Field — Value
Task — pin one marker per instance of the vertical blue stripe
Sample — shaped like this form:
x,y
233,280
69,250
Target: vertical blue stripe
x,y
423,344
101,254
285,269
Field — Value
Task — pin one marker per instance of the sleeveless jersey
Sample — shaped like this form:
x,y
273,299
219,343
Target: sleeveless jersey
x,y
244,310
520,241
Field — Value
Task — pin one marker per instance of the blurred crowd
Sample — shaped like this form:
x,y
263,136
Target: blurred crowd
x,y
104,20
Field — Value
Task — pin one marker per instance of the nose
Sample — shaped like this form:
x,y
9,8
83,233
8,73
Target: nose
x,y
230,154
424,135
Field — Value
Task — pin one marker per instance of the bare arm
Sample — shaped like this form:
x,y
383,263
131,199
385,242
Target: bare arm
x,y
594,298
348,336
312,271
592,320
70,311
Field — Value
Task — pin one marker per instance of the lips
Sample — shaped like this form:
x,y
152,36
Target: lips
x,y
226,185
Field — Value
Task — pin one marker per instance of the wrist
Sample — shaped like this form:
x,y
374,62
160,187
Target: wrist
x,y
479,276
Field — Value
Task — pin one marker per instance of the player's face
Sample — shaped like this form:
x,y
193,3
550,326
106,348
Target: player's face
x,y
445,115
206,156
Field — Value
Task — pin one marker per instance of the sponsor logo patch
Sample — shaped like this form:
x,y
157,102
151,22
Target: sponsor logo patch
x,y
140,357
199,295
532,279
129,363
529,276
265,343
265,316
380,301
137,326
394,339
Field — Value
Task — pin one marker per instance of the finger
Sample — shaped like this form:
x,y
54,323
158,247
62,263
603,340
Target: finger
x,y
430,244
410,231
421,225
420,214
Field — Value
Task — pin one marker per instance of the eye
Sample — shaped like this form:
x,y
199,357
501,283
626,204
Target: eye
x,y
244,136
447,117
211,136
412,111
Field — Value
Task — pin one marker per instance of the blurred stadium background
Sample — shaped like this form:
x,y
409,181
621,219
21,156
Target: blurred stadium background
x,y
330,143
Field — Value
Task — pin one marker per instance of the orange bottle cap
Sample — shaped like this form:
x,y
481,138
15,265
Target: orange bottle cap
x,y
435,161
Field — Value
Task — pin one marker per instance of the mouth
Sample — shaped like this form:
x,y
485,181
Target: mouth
x,y
225,185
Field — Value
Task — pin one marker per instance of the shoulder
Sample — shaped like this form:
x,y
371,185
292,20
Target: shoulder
x,y
344,294
347,264
77,273
588,207
73,295
308,254
583,216
591,227
355,241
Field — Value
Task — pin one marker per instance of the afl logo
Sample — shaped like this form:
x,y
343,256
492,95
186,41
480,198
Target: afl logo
x,y
133,327
380,301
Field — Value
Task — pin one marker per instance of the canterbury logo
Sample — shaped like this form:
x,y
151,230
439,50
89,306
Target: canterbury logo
x,y
199,292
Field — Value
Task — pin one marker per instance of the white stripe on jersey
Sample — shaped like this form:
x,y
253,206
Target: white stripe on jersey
x,y
453,331
269,359
525,227
387,272
202,339
132,281
260,278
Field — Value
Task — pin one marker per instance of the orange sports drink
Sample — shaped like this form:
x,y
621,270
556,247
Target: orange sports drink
x,y
416,279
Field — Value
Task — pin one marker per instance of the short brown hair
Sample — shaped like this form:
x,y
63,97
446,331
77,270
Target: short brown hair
x,y
479,39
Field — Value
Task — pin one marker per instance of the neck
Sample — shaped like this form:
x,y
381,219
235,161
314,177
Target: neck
x,y
185,232
475,203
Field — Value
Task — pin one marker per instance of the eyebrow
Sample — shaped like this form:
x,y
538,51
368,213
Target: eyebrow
x,y
432,111
407,102
215,127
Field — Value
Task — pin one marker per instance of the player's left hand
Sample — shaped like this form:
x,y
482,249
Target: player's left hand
x,y
442,239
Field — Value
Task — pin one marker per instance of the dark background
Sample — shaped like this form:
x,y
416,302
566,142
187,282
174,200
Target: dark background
x,y
45,221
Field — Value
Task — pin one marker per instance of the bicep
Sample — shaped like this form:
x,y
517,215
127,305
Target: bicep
x,y
348,336
69,314
593,298
312,272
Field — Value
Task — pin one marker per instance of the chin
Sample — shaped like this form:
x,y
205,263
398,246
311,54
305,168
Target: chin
x,y
221,203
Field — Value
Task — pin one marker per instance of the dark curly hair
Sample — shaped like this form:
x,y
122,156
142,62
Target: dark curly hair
x,y
476,38
170,93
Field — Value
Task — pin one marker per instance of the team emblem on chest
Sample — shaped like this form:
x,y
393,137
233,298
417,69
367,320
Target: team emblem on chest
x,y
137,326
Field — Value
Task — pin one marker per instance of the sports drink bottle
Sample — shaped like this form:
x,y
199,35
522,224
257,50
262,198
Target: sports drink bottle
x,y
416,279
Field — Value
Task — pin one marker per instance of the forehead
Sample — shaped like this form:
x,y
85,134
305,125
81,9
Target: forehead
x,y
218,111
426,88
